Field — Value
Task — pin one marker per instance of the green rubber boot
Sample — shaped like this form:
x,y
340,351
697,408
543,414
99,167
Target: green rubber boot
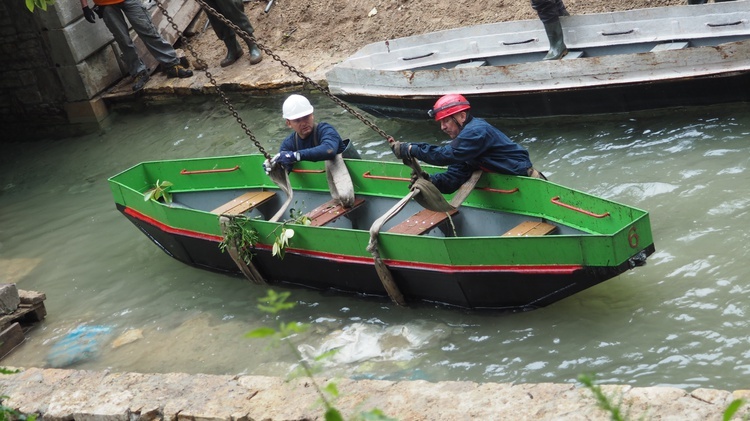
x,y
557,48
234,51
255,54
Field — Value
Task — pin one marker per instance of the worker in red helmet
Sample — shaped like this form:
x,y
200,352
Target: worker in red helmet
x,y
476,145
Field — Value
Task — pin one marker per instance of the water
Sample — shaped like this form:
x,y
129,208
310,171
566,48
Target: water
x,y
682,320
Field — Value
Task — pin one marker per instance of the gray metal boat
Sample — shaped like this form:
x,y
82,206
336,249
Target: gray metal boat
x,y
617,62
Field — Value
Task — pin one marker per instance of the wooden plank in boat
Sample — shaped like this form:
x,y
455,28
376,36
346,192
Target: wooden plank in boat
x,y
421,222
244,203
529,228
330,211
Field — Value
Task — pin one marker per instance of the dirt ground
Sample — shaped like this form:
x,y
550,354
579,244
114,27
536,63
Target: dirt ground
x,y
313,35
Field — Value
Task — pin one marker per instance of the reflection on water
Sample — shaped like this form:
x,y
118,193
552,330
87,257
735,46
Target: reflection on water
x,y
681,320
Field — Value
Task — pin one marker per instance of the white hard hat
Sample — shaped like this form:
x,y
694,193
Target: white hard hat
x,y
296,106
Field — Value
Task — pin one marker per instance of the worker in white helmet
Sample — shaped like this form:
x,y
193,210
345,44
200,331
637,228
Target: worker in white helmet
x,y
308,141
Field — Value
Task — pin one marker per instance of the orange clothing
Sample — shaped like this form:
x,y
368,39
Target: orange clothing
x,y
107,2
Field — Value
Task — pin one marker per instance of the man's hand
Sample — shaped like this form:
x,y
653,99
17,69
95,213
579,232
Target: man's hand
x,y
414,178
287,159
400,149
89,14
99,10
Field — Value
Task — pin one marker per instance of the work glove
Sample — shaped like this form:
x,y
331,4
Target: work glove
x,y
99,11
89,14
400,149
268,166
414,178
286,159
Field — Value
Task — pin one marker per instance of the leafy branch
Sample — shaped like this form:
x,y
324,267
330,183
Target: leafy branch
x,y
159,191
273,303
244,238
42,4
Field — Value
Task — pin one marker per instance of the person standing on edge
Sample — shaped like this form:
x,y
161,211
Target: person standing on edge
x,y
113,13
476,145
234,11
549,12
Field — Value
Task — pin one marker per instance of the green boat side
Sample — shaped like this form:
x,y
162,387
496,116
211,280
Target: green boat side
x,y
613,232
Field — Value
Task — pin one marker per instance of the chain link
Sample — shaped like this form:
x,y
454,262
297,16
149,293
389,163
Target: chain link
x,y
249,38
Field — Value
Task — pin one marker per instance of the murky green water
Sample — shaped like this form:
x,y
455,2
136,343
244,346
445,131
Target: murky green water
x,y
682,320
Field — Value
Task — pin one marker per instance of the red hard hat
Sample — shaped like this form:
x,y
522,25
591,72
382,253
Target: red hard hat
x,y
448,105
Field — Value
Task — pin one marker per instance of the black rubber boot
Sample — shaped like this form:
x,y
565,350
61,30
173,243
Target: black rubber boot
x,y
557,48
255,54
234,51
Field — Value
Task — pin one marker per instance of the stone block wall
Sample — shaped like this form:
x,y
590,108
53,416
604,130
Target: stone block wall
x,y
55,61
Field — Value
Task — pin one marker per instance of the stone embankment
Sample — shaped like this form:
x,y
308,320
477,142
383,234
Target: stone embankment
x,y
62,395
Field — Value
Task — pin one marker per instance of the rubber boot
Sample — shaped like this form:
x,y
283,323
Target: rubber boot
x,y
234,51
557,48
255,54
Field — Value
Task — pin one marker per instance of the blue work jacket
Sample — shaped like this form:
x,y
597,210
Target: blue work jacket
x,y
479,145
323,143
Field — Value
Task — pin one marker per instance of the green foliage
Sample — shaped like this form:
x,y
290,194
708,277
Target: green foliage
x,y
42,4
732,409
602,401
241,236
159,191
273,303
282,240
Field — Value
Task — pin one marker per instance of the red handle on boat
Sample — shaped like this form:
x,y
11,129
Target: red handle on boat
x,y
187,172
382,177
556,200
308,171
511,191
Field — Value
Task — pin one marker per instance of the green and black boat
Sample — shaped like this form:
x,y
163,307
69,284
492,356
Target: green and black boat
x,y
515,243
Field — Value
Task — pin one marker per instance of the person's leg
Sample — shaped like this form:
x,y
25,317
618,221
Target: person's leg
x,y
224,33
561,10
141,22
115,22
547,10
234,10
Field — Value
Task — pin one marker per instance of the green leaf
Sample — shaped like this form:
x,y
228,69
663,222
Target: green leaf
x,y
261,332
30,5
333,414
332,389
732,409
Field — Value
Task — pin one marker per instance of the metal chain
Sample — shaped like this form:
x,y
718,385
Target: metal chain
x,y
202,64
250,38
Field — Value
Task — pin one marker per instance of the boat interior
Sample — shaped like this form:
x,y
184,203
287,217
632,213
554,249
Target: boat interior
x,y
412,219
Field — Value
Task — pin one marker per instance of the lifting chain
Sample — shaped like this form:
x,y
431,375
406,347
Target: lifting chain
x,y
250,38
202,64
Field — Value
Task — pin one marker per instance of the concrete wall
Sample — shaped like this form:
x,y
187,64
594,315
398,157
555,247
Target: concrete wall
x,y
54,64
70,395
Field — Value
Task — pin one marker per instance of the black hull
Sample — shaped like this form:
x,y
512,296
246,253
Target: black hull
x,y
507,290
698,91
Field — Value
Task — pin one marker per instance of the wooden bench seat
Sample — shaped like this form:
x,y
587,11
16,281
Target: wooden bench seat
x,y
330,211
244,203
421,222
530,228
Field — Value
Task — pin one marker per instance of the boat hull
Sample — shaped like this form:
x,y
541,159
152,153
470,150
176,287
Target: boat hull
x,y
466,262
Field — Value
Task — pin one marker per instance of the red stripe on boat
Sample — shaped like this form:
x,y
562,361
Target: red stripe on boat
x,y
526,269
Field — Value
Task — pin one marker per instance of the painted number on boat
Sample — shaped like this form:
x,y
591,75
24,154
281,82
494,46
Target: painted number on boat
x,y
633,237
